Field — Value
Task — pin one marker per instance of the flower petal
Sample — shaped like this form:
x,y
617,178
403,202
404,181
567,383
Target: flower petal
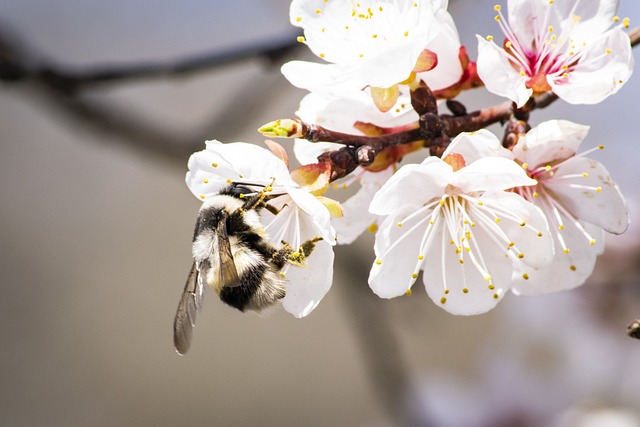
x,y
412,185
356,217
568,269
598,74
491,173
594,197
523,224
397,249
460,288
307,285
549,142
319,216
476,145
498,75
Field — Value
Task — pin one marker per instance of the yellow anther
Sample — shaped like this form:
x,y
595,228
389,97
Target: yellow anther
x,y
378,261
592,242
608,51
547,168
497,8
539,234
497,18
443,300
322,55
480,203
522,224
496,296
616,18
465,290
375,36
461,261
497,219
566,250
600,147
511,244
598,189
373,228
408,292
561,227
215,165
520,255
420,257
535,194
446,291
229,181
300,39
202,196
572,268
491,287
318,11
206,181
508,44
525,166
550,29
414,276
487,278
525,276
586,175
399,224
406,33
489,38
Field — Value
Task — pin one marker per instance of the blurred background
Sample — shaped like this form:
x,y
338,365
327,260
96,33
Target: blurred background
x,y
95,232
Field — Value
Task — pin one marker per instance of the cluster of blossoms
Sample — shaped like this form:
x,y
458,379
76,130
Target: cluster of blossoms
x,y
479,216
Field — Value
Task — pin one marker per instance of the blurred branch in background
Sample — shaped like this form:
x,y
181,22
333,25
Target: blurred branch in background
x,y
63,88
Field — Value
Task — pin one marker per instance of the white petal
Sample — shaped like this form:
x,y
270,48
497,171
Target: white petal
x,y
491,173
306,286
476,145
598,74
317,213
412,185
397,251
446,45
568,269
522,223
446,279
594,198
550,141
326,79
498,75
307,152
356,217
596,16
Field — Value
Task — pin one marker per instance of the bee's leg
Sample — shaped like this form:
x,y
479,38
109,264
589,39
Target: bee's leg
x,y
273,209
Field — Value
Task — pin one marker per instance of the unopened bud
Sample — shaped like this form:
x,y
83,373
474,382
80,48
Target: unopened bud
x,y
284,128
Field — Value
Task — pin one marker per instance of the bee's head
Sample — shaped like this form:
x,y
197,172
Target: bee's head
x,y
236,190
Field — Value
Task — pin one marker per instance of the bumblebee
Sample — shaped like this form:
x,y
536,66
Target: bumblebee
x,y
233,255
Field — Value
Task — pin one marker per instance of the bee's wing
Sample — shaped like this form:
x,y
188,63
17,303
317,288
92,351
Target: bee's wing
x,y
188,307
228,272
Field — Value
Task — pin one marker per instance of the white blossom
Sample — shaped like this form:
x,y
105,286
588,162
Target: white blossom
x,y
453,219
375,43
302,216
579,199
565,46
